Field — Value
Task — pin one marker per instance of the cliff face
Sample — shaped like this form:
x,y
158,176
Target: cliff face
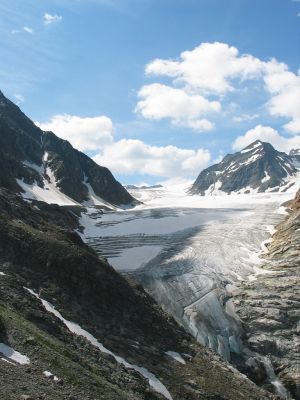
x,y
38,252
269,305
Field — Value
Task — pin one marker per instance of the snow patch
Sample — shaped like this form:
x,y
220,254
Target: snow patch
x,y
282,210
154,382
2,273
38,168
94,200
214,189
266,177
49,374
13,355
9,362
45,156
49,194
176,356
251,148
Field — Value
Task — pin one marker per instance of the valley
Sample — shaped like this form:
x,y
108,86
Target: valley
x,y
193,259
143,293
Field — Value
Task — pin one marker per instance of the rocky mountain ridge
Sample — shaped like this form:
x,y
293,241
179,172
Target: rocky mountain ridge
x,y
42,166
257,168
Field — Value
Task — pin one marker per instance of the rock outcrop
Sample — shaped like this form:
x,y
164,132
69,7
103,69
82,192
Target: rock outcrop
x,y
269,306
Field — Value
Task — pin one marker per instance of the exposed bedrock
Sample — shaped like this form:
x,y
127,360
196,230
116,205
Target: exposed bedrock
x,y
269,307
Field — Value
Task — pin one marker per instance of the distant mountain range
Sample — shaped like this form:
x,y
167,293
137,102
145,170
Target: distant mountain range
x,y
257,168
41,166
134,187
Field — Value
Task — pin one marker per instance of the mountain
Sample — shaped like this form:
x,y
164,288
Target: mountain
x,y
73,328
134,187
256,168
40,165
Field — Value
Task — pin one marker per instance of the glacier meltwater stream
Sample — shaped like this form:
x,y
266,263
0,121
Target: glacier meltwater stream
x,y
190,258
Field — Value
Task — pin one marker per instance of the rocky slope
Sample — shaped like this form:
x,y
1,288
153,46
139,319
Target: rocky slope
x,y
257,168
40,165
269,305
295,156
117,321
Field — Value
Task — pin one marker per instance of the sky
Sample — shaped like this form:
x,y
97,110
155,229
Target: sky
x,y
156,90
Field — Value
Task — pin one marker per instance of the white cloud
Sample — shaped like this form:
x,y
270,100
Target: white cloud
x,y
50,19
84,133
245,118
208,67
131,156
19,97
267,134
27,29
284,88
198,125
159,101
218,69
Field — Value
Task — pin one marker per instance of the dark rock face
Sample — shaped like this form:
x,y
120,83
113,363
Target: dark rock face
x,y
27,153
73,169
269,306
295,156
258,167
37,253
20,140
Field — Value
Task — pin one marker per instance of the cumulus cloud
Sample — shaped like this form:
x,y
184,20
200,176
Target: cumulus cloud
x,y
267,134
84,133
284,87
209,67
130,156
216,69
50,19
160,101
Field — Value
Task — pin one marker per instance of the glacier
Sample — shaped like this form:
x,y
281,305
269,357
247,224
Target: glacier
x,y
188,252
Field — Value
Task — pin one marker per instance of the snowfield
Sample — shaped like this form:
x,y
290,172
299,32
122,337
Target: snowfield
x,y
13,355
189,251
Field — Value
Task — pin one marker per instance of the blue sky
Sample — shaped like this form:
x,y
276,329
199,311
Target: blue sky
x,y
226,73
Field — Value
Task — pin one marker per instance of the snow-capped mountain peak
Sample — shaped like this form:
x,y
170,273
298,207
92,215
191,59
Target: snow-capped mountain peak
x,y
256,168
